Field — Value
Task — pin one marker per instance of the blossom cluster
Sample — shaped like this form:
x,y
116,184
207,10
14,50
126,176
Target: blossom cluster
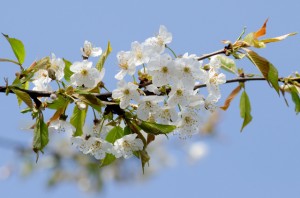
x,y
95,145
181,105
170,83
84,74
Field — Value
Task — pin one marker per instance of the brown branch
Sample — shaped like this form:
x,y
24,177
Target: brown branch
x,y
222,51
105,96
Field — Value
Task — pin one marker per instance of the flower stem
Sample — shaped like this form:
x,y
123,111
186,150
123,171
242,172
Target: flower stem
x,y
171,51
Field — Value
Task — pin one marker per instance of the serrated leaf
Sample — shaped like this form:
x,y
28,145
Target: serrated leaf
x,y
266,68
68,73
154,128
40,138
17,47
227,64
109,158
115,133
23,96
77,120
295,98
103,57
231,96
279,38
245,109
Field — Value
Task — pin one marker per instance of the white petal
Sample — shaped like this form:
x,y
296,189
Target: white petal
x,y
97,51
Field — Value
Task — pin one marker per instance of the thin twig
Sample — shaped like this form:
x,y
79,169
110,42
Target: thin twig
x,y
222,51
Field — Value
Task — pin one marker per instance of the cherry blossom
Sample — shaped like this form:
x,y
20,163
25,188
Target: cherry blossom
x,y
88,50
126,145
85,75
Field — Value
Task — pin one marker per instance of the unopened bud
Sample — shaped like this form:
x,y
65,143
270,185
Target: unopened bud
x,y
81,105
53,96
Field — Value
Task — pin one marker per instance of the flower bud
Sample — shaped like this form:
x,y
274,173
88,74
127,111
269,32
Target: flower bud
x,y
81,105
53,96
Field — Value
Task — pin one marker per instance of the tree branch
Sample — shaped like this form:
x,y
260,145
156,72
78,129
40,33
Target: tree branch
x,y
105,96
222,51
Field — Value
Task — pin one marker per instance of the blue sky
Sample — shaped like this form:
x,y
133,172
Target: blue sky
x,y
263,161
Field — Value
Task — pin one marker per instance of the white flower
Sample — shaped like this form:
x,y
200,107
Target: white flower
x,y
215,62
81,144
199,102
61,126
98,147
56,69
39,85
101,129
179,95
215,79
189,70
126,65
188,123
159,42
147,105
126,92
140,53
210,102
166,115
162,70
85,75
126,145
42,76
152,88
88,50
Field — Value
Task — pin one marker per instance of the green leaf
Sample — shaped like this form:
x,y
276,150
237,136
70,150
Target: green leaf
x,y
25,86
26,110
77,120
103,57
245,109
115,133
17,47
227,64
154,128
295,98
23,96
67,71
40,138
60,102
252,41
266,68
127,130
109,158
